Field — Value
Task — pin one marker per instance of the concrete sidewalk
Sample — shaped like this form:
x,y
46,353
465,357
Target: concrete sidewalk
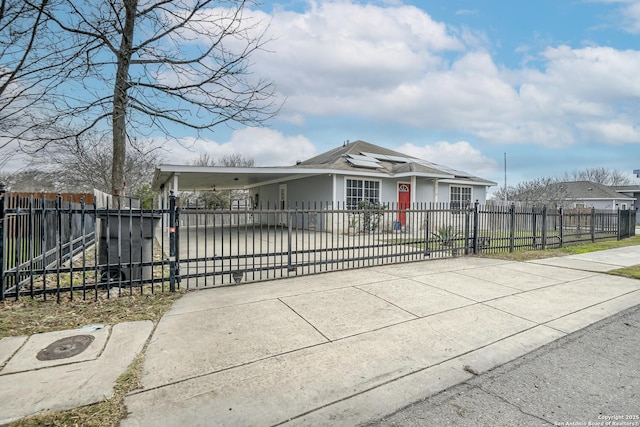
x,y
346,348
62,370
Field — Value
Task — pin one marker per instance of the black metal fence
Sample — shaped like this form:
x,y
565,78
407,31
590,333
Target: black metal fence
x,y
85,251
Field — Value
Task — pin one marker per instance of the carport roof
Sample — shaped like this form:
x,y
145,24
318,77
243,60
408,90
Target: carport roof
x,y
225,178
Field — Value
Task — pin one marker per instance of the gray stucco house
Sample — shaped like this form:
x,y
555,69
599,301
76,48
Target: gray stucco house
x,y
587,194
341,177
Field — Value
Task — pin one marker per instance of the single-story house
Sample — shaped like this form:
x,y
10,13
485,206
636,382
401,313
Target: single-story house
x,y
342,177
587,194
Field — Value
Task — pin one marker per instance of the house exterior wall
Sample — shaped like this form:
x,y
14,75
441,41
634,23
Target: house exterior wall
x,y
318,191
610,204
424,190
312,189
303,193
478,193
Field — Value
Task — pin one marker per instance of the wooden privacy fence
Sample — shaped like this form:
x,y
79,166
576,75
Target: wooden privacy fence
x,y
65,246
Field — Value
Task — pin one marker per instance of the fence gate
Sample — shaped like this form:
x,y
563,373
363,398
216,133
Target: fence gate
x,y
65,246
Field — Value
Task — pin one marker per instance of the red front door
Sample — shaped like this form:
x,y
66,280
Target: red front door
x,y
404,202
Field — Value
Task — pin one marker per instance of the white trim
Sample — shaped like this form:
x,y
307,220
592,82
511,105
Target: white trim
x,y
470,187
334,189
414,181
175,184
482,183
277,180
379,181
436,189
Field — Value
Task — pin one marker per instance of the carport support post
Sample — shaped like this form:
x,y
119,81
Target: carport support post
x,y
172,242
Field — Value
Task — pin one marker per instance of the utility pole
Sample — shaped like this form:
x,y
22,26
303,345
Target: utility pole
x,y
505,177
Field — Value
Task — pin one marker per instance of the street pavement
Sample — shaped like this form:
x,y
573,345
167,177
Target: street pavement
x,y
589,378
342,348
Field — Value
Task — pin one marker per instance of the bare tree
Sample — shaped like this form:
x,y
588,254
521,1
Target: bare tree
x,y
599,175
21,67
216,199
539,191
82,165
144,65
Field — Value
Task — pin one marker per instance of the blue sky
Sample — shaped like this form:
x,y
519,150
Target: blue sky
x,y
554,84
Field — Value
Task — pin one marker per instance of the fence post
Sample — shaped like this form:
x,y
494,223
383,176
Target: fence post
x,y
561,215
512,227
544,227
475,227
172,242
467,229
426,234
534,227
2,196
619,225
289,251
593,224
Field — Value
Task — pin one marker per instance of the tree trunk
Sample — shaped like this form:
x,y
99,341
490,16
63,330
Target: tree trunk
x,y
120,99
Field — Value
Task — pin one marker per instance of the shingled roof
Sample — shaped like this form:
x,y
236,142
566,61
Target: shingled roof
x,y
587,190
366,156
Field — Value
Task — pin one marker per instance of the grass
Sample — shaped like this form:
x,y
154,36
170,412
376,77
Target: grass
x,y
32,316
526,255
632,272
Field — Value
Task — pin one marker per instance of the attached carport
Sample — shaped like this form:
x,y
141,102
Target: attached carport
x,y
178,178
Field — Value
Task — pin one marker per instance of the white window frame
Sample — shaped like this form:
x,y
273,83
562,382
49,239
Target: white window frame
x,y
458,204
349,203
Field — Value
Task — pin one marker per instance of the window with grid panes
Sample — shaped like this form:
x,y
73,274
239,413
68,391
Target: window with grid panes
x,y
362,189
460,197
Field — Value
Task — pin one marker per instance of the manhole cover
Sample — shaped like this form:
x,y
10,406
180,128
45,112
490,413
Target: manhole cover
x,y
65,347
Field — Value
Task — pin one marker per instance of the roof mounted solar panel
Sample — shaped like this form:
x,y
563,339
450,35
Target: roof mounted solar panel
x,y
371,164
400,159
397,159
360,157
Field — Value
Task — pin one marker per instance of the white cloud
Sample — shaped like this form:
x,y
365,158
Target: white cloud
x,y
459,155
629,14
393,63
614,132
265,146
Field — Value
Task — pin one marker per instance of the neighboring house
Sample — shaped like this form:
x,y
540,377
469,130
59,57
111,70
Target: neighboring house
x,y
341,177
586,194
631,191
